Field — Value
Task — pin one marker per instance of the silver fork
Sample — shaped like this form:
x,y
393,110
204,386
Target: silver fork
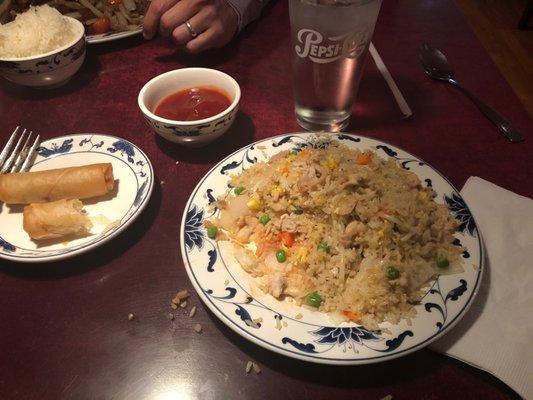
x,y
20,159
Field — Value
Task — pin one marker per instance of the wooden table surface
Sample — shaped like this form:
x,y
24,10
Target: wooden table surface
x,y
64,331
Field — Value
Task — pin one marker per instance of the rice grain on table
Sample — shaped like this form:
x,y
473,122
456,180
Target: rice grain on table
x,y
192,312
249,366
256,368
181,295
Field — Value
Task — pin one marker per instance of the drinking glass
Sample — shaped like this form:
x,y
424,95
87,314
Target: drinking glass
x,y
330,40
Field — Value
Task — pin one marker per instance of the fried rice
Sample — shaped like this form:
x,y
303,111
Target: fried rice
x,y
344,231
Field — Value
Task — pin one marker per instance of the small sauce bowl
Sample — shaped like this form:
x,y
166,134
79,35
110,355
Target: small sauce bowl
x,y
189,133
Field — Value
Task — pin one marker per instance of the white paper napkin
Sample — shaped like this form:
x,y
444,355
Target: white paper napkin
x,y
496,334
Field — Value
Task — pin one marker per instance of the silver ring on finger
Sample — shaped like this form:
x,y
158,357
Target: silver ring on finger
x,y
191,29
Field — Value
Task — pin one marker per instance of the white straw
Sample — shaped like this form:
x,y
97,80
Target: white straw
x,y
404,107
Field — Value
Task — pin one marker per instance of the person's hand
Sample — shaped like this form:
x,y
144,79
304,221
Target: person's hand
x,y
195,24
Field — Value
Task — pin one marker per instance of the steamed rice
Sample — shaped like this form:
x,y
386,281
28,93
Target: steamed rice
x,y
370,216
37,31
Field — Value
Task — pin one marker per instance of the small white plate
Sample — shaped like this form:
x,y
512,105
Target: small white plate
x,y
134,181
111,36
226,289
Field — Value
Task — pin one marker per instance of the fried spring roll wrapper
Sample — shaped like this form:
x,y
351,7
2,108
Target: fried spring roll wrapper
x,y
55,184
56,219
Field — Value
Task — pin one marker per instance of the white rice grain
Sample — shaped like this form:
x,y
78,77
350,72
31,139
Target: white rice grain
x,y
256,368
249,366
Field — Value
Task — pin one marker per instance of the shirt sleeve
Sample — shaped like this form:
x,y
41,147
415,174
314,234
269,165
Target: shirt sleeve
x,y
247,10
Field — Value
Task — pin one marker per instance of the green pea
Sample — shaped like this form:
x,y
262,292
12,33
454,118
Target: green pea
x,y
212,232
293,152
323,247
442,262
281,255
298,210
313,299
238,190
263,219
392,272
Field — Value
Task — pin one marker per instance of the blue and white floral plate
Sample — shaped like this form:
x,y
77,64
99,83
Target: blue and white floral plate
x,y
134,181
285,328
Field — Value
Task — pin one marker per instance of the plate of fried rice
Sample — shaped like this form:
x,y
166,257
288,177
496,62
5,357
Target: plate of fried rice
x,y
331,248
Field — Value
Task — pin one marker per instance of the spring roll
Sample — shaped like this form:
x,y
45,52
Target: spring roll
x,y
55,184
55,219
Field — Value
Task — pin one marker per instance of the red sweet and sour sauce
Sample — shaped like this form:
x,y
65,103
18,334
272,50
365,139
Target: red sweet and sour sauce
x,y
193,104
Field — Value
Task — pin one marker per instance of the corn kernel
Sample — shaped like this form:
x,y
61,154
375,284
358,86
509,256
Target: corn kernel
x,y
277,190
253,204
301,255
331,163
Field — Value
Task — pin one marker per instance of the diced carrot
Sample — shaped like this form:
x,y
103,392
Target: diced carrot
x,y
351,315
305,152
287,238
363,159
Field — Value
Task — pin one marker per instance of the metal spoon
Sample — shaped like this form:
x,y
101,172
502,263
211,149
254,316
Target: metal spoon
x,y
437,67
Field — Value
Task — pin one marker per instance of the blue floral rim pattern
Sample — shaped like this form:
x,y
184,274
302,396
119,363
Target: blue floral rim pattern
x,y
446,300
118,149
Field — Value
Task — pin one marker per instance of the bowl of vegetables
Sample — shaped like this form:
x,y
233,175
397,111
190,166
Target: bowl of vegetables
x,y
104,20
107,20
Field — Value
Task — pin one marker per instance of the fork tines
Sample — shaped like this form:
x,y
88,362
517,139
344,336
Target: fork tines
x,y
20,158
